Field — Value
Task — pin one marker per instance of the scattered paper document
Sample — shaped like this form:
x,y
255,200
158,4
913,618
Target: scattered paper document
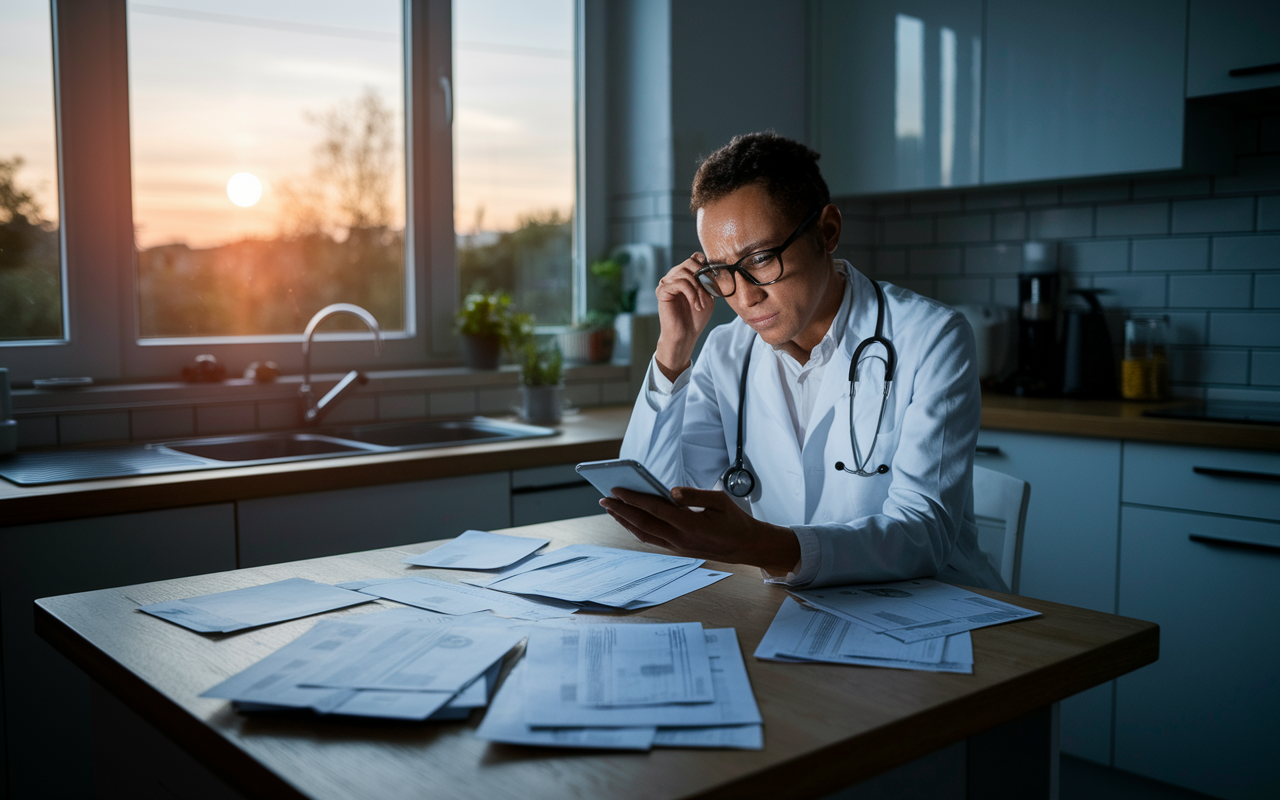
x,y
479,550
603,575
914,610
456,598
552,697
737,737
632,665
410,671
700,578
503,723
273,681
413,658
252,606
801,633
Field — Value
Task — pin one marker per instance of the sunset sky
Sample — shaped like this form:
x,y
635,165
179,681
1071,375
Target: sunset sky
x,y
223,88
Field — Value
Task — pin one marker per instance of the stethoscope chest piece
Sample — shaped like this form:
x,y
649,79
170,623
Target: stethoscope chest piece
x,y
739,482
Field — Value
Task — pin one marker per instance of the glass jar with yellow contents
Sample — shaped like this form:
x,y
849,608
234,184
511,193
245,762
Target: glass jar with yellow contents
x,y
1144,373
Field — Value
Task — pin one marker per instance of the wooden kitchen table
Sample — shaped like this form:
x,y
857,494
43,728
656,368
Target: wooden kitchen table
x,y
825,726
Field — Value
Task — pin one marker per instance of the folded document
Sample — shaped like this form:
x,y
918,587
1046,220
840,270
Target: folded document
x,y
252,606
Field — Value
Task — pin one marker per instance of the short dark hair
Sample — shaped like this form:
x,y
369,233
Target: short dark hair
x,y
784,168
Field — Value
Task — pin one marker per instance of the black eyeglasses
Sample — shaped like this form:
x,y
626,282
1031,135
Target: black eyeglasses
x,y
762,267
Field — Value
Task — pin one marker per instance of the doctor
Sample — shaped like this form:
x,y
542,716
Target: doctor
x,y
765,414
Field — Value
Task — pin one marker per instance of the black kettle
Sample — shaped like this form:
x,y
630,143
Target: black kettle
x,y
1088,362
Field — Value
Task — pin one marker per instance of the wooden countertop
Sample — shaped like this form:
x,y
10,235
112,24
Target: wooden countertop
x,y
824,725
1119,419
591,435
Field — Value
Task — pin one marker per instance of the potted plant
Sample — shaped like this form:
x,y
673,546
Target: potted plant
x,y
590,340
541,386
489,323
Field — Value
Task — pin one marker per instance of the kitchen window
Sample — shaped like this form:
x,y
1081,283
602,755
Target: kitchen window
x,y
228,168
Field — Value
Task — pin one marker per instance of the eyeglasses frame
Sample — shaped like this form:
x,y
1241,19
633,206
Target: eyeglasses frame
x,y
737,268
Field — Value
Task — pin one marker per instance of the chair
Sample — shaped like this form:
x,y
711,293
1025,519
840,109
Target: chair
x,y
1000,504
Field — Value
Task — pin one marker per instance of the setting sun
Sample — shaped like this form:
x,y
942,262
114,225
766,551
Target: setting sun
x,y
244,189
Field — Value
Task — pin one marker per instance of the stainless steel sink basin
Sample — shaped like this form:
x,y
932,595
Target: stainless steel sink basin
x,y
91,463
437,433
266,447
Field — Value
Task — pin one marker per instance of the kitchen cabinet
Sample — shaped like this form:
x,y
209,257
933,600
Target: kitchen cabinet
x,y
293,527
895,90
1193,561
1069,547
1227,35
546,494
46,698
1079,88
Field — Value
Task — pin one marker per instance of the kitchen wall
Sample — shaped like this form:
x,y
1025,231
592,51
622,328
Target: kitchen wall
x,y
1204,251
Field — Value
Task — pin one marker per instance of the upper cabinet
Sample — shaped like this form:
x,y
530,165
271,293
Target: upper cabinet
x,y
896,92
925,94
1079,88
1233,36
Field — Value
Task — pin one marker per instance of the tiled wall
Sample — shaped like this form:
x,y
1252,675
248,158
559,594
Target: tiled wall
x,y
1204,251
231,408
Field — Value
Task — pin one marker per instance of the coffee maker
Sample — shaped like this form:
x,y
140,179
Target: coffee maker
x,y
1038,373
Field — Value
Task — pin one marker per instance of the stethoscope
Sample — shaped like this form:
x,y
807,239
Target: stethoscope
x,y
738,480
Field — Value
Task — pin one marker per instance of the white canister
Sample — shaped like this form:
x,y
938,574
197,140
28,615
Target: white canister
x,y
993,337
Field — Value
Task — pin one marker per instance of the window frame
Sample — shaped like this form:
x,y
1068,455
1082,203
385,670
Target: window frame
x,y
91,86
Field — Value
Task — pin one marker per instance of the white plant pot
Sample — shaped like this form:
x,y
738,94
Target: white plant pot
x,y
541,405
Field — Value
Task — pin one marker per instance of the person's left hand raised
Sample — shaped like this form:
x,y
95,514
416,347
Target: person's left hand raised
x,y
720,531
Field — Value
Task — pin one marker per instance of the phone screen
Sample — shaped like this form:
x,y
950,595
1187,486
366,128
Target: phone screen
x,y
622,473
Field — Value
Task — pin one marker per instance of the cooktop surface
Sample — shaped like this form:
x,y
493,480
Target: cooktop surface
x,y
1222,411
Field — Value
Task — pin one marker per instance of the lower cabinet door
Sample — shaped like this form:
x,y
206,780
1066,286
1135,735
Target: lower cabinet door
x,y
288,528
1069,547
46,697
1203,716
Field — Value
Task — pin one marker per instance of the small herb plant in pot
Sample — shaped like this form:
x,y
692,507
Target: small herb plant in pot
x,y
489,323
541,383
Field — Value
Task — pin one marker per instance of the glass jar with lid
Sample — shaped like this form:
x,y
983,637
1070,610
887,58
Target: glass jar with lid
x,y
1144,373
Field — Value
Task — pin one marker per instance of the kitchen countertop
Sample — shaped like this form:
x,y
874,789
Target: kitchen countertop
x,y
1120,419
593,434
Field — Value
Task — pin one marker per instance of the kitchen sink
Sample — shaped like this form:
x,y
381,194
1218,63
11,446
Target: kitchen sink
x,y
437,433
214,452
266,447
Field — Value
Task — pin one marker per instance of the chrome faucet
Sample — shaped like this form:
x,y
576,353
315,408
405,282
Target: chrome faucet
x,y
313,412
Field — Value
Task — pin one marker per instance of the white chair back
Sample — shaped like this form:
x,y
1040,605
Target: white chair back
x,y
1000,504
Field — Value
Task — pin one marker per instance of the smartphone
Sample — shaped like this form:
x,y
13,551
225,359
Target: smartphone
x,y
623,473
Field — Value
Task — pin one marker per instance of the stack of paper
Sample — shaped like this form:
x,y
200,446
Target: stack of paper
x,y
600,576
252,606
801,633
479,550
627,687
411,669
915,610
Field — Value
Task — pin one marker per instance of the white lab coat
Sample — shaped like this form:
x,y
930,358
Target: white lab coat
x,y
916,520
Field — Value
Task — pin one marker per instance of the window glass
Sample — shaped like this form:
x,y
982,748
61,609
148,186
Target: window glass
x,y
268,163
513,145
30,256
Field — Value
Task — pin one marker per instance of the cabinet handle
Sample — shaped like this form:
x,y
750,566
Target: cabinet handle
x,y
1247,475
1220,541
1261,69
987,450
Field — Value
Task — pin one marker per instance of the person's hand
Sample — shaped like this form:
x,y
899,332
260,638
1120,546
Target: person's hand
x,y
721,531
684,308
